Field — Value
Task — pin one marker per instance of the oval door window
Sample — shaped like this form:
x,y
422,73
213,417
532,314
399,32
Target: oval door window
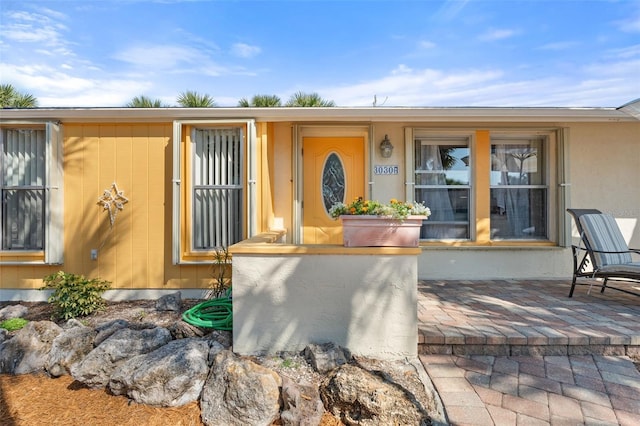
x,y
333,181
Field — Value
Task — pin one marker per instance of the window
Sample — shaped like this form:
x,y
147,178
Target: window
x,y
518,188
213,187
23,180
217,188
442,182
489,187
30,177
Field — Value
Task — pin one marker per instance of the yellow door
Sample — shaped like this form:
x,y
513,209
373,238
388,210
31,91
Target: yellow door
x,y
333,170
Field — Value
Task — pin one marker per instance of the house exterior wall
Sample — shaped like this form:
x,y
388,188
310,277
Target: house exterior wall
x,y
136,252
603,160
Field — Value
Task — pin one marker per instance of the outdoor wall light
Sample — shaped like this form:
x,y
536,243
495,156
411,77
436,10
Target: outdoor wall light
x,y
386,149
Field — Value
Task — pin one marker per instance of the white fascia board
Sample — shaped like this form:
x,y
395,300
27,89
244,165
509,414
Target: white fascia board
x,y
329,114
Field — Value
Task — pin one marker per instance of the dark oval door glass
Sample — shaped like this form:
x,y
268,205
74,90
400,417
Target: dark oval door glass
x,y
333,181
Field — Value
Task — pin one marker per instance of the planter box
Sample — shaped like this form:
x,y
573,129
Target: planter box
x,y
376,231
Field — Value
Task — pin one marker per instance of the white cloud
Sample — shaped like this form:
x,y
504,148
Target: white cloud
x,y
158,56
497,34
630,25
26,27
243,50
626,52
559,45
54,88
426,44
598,84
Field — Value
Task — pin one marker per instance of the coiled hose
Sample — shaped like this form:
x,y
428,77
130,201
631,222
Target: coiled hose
x,y
214,313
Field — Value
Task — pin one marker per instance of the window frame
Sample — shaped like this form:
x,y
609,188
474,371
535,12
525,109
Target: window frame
x,y
52,252
183,249
556,154
456,138
511,138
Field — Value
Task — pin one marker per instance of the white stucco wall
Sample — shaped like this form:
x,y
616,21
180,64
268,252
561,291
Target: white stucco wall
x,y
475,263
366,303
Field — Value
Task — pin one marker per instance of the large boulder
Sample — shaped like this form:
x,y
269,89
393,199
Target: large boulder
x,y
69,348
171,376
13,311
358,397
170,302
301,404
240,392
27,351
96,368
324,358
107,329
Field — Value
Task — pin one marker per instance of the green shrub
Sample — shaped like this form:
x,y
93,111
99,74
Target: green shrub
x,y
13,324
74,295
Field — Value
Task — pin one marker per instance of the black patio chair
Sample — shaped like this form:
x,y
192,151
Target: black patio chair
x,y
602,252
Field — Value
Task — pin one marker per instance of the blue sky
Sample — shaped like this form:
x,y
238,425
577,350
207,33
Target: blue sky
x,y
564,53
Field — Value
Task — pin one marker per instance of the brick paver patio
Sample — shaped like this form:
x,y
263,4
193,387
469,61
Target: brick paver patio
x,y
523,353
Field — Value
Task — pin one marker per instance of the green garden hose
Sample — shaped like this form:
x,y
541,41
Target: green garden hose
x,y
214,313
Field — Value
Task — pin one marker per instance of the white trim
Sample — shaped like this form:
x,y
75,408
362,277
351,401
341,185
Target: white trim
x,y
54,193
336,114
252,176
564,188
176,182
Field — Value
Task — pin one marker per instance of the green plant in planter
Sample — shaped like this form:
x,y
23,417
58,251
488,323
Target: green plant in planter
x,y
394,209
74,295
13,324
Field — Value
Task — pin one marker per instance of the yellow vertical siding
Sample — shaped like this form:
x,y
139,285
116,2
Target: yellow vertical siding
x,y
136,251
481,180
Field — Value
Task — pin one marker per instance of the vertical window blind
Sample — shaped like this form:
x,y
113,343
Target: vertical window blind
x,y
23,188
217,188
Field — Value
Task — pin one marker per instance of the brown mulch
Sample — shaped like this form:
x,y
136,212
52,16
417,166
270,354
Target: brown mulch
x,y
32,400
39,400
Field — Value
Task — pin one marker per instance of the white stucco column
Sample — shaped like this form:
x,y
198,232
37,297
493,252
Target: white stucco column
x,y
364,299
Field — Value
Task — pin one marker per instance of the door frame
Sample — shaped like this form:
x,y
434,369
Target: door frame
x,y
331,130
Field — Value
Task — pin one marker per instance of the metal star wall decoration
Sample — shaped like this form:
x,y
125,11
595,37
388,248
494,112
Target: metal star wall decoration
x,y
113,199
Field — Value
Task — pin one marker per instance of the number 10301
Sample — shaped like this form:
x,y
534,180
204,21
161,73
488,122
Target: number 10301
x,y
385,170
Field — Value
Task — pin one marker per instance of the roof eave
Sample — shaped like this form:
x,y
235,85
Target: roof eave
x,y
334,114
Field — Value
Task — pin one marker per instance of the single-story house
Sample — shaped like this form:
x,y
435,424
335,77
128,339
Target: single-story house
x,y
143,197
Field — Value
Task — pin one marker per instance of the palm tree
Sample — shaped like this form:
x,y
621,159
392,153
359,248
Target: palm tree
x,y
11,98
190,99
261,101
301,99
143,101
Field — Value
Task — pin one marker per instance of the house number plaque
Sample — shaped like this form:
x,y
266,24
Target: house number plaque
x,y
385,170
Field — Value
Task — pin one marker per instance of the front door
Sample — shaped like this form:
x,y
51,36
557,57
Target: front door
x,y
333,170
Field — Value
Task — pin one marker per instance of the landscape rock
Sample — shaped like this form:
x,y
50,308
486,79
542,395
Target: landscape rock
x,y
3,335
73,322
69,348
225,338
105,330
324,358
184,330
27,351
240,392
170,376
358,397
301,403
170,302
96,368
13,311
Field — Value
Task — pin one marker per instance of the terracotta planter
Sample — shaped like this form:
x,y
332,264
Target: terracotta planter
x,y
376,231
